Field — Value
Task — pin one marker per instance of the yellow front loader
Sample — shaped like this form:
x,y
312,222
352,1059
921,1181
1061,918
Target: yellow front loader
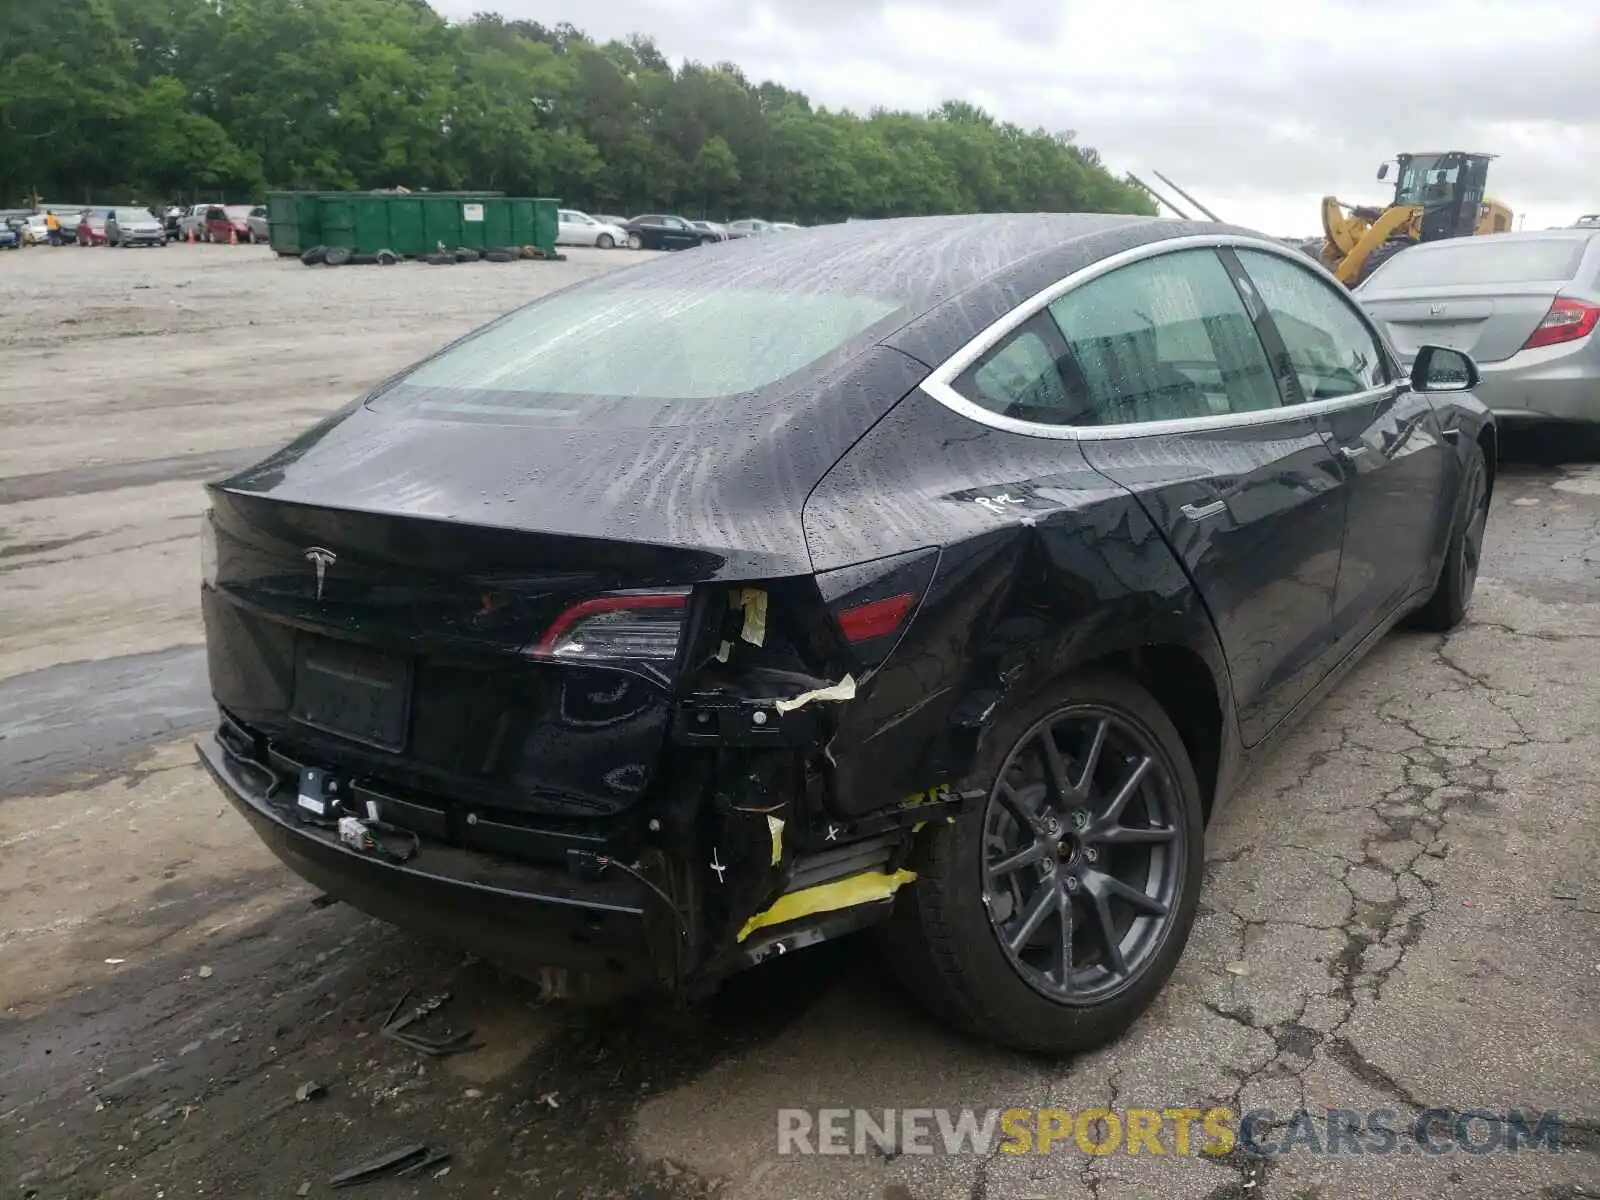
x,y
1436,196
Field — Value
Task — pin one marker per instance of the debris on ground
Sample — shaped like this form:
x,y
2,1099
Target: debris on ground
x,y
309,1091
206,972
403,1163
436,1047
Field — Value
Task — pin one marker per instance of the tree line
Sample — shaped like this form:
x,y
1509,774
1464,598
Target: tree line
x,y
184,100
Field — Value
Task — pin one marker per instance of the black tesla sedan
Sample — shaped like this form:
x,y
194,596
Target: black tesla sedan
x,y
941,575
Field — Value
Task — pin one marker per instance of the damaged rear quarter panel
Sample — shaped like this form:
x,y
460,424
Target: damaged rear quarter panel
x,y
1046,565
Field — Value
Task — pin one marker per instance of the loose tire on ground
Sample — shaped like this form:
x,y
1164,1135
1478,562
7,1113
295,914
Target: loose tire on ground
x,y
500,256
337,256
313,256
386,258
1447,606
467,254
944,937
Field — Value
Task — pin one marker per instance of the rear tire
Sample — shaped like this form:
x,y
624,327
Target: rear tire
x,y
1377,258
947,938
1447,606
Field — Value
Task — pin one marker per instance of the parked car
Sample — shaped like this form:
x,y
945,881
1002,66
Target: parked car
x,y
257,226
11,234
134,227
785,226
1525,306
755,630
192,220
750,227
35,230
225,223
712,227
656,231
610,219
576,228
91,227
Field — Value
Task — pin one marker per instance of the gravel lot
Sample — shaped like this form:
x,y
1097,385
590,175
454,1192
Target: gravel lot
x,y
1401,909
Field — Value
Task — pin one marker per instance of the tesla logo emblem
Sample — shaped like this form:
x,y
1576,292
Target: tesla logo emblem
x,y
1436,310
321,559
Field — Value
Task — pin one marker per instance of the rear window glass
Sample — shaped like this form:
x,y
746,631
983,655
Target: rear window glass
x,y
1487,259
641,348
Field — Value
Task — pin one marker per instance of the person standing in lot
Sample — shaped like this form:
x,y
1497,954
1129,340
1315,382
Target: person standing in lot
x,y
52,224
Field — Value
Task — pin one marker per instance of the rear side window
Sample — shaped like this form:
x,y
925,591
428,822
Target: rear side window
x,y
1021,377
1487,259
1331,349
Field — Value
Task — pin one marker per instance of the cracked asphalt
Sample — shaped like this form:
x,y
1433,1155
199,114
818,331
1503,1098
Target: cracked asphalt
x,y
1400,912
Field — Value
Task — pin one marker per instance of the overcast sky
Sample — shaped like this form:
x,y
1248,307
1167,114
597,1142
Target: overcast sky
x,y
1255,108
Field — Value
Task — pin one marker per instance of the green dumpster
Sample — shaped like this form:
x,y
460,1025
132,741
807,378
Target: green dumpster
x,y
410,224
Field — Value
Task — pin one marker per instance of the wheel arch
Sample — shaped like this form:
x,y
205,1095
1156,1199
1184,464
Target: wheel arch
x,y
1183,684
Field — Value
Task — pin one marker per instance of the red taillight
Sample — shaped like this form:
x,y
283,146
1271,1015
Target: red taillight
x,y
875,619
624,625
1567,321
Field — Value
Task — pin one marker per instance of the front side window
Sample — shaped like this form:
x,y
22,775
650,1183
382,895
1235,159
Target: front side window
x,y
1331,349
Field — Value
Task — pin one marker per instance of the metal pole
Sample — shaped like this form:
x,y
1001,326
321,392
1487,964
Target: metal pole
x,y
1160,199
1188,197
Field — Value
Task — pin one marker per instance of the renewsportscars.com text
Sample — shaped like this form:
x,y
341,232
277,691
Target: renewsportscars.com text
x,y
1160,1131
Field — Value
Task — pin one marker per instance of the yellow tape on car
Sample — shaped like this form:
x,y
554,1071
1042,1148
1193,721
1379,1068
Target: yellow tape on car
x,y
827,897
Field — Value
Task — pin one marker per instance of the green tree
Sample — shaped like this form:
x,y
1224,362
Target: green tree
x,y
172,99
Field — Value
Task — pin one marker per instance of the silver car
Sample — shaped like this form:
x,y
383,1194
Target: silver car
x,y
134,227
1525,306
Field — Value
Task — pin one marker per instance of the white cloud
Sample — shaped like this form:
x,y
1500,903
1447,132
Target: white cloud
x,y
1257,108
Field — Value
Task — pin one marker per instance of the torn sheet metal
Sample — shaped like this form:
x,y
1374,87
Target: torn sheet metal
x,y
754,603
775,828
845,689
865,888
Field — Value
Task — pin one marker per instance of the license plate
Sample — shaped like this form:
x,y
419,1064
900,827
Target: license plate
x,y
361,694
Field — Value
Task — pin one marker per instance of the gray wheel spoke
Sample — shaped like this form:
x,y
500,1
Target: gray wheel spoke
x,y
1055,770
1105,886
1131,835
1091,759
1126,792
1038,852
1044,903
1064,940
1029,819
1106,931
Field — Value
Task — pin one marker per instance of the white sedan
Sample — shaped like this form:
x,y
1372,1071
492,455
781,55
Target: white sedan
x,y
580,229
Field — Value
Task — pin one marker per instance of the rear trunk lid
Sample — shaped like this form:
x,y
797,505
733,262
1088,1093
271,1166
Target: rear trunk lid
x,y
1490,322
1480,295
478,610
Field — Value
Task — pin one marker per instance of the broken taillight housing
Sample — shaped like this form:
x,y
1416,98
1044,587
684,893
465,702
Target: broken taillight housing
x,y
638,626
872,603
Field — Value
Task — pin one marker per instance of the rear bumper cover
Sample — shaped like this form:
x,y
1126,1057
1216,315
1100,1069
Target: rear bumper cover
x,y
1556,383
522,916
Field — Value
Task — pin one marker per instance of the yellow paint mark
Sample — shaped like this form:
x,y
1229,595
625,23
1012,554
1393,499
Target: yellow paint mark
x,y
775,828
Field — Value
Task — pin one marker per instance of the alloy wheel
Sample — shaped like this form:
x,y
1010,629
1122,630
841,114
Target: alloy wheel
x,y
1083,854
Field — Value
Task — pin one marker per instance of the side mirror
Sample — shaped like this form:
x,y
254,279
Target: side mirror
x,y
1383,170
1439,369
